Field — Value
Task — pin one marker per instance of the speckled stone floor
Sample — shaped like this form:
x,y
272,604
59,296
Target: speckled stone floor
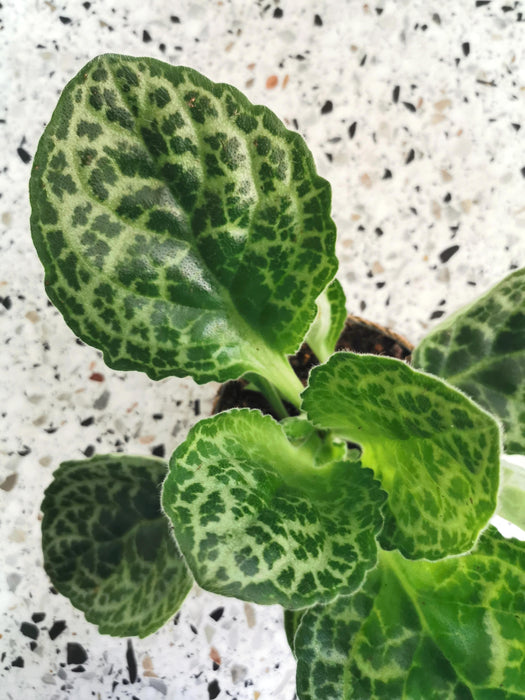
x,y
415,112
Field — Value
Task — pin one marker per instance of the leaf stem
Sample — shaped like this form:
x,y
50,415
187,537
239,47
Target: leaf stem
x,y
268,390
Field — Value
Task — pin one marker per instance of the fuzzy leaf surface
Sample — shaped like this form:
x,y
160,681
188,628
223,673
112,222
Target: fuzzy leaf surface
x,y
481,350
256,519
435,452
447,630
183,230
107,544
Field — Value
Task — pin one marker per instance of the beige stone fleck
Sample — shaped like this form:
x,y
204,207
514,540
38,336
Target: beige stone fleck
x,y
466,205
447,177
146,439
17,535
215,656
355,217
377,268
250,66
436,209
436,118
441,105
32,316
250,614
45,461
229,46
249,83
6,218
147,665
366,180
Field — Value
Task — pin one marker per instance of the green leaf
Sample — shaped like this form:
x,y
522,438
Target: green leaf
x,y
183,230
511,498
108,547
444,630
435,452
481,350
328,325
256,519
320,443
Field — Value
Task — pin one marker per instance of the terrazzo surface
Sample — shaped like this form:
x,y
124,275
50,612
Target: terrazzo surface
x,y
414,111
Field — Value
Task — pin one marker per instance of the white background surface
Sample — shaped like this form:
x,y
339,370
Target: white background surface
x,y
454,145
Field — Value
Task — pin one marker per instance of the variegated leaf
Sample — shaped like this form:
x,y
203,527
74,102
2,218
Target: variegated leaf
x,y
256,518
107,545
481,350
435,452
183,230
447,630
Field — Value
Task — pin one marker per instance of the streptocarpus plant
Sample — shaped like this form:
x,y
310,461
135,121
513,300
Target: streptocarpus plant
x,y
184,230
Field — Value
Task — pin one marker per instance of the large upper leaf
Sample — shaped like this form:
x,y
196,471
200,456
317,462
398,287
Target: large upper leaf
x,y
256,518
448,630
481,350
107,545
435,452
183,229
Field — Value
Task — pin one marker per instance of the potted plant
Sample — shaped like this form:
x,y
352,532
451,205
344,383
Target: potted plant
x,y
185,231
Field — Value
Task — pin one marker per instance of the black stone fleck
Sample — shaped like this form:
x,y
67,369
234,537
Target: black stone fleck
x,y
318,21
78,669
447,197
87,5
18,662
30,630
65,20
58,627
38,617
87,421
197,407
352,129
387,174
278,13
379,231
409,106
327,107
131,662
24,451
176,618
523,171
146,36
516,126
33,645
89,451
213,689
158,416
174,19
6,302
480,3
194,629
465,47
437,314
217,614
363,60
395,93
23,154
158,451
76,654
410,157
446,254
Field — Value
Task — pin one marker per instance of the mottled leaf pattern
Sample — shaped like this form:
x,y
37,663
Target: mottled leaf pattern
x,y
324,332
292,620
435,452
256,519
481,350
447,630
107,545
183,229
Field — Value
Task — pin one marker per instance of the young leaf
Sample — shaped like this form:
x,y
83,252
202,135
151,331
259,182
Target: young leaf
x,y
419,629
256,519
481,350
183,230
435,452
324,332
107,545
511,498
